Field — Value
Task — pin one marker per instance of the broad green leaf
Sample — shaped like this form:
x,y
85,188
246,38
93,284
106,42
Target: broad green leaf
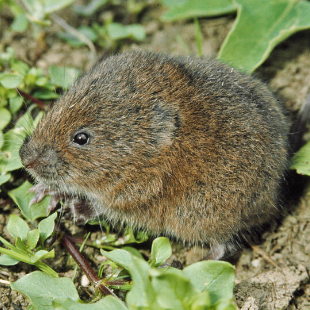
x,y
45,94
42,254
51,6
117,31
20,67
173,290
20,23
63,76
41,288
259,27
197,8
215,276
1,144
161,251
90,8
22,198
46,226
7,260
9,156
107,303
142,293
17,227
49,293
13,139
172,3
87,31
301,160
15,104
26,124
21,246
4,178
201,301
11,80
32,238
5,118
133,251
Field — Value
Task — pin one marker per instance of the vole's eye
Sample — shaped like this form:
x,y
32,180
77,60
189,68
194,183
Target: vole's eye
x,y
81,138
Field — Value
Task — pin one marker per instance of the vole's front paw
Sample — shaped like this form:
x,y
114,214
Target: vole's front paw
x,y
41,191
78,209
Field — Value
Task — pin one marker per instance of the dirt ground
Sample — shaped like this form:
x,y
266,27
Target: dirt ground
x,y
273,274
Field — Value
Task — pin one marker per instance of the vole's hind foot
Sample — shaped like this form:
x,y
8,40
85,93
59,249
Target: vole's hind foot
x,y
77,208
41,191
217,252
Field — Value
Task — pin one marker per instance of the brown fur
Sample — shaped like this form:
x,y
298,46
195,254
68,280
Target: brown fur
x,y
178,146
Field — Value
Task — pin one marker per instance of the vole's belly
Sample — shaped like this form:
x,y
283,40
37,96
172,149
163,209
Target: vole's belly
x,y
195,218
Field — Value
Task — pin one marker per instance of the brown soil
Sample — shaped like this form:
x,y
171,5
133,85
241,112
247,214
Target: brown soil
x,y
271,275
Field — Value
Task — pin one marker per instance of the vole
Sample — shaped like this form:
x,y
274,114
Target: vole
x,y
177,146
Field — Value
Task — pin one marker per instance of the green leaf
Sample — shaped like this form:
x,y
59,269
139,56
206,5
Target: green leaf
x,y
15,104
5,118
51,6
45,94
39,287
22,198
63,76
26,124
198,37
179,10
88,32
20,246
161,251
301,160
42,254
117,31
20,23
133,251
90,8
7,260
1,145
11,80
48,293
172,289
172,3
142,293
259,27
9,156
4,178
215,276
107,303
13,139
17,227
20,66
32,238
46,226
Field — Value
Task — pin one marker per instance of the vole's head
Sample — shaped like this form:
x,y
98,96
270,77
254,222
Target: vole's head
x,y
114,118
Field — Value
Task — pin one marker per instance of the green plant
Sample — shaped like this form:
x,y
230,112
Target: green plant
x,y
17,77
36,12
258,28
301,160
26,248
203,285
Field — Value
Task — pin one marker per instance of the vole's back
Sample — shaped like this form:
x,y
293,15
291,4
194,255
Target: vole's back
x,y
181,146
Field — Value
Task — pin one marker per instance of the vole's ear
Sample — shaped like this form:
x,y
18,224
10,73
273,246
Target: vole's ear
x,y
166,123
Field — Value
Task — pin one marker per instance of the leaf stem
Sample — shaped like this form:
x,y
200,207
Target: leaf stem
x,y
83,264
32,99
